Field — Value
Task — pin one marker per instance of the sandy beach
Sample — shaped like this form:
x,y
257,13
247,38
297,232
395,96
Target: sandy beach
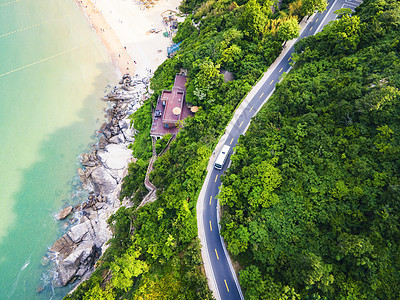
x,y
124,27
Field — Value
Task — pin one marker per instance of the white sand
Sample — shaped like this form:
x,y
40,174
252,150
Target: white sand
x,y
130,23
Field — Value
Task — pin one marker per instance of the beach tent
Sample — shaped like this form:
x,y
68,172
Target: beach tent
x,y
171,50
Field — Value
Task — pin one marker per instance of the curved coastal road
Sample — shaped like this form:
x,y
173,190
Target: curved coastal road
x,y
220,274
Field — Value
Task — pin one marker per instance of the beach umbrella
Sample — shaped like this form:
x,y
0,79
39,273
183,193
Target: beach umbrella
x,y
194,109
176,111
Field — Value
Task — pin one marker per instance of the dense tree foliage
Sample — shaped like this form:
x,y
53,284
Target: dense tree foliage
x,y
311,6
309,204
289,29
133,185
311,201
154,253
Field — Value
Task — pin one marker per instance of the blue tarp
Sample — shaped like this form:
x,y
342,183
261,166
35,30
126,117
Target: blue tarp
x,y
173,48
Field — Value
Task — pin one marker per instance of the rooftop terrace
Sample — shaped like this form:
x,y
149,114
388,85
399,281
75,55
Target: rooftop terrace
x,y
175,109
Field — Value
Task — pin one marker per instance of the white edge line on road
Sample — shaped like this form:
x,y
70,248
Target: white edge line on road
x,y
323,20
227,255
265,101
200,206
261,106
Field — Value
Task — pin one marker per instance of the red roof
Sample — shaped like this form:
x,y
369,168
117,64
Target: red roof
x,y
173,99
180,82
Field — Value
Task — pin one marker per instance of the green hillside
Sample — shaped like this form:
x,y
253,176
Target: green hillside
x,y
155,252
311,202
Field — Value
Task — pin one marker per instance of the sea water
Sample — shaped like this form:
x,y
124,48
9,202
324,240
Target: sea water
x,y
53,71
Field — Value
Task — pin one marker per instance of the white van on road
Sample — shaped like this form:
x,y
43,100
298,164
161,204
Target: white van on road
x,y
221,158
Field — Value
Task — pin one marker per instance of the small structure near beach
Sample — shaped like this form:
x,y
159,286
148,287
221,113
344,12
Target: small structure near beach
x,y
170,109
173,49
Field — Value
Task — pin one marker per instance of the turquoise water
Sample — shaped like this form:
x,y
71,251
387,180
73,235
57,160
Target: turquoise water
x,y
53,71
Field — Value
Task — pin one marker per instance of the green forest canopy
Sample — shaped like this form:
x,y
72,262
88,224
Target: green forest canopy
x,y
154,253
311,201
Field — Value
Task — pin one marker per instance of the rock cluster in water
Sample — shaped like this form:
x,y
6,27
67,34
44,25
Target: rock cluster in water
x,y
76,252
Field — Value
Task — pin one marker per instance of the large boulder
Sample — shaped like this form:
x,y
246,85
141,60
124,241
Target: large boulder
x,y
102,142
101,228
77,263
65,213
107,133
88,160
115,157
64,246
79,248
78,232
129,135
124,124
89,163
82,175
103,182
117,139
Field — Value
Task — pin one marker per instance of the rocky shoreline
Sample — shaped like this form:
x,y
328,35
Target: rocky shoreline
x,y
102,171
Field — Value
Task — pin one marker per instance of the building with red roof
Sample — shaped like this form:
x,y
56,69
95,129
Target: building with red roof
x,y
170,109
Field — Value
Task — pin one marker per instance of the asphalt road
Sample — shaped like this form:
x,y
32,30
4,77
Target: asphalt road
x,y
225,279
